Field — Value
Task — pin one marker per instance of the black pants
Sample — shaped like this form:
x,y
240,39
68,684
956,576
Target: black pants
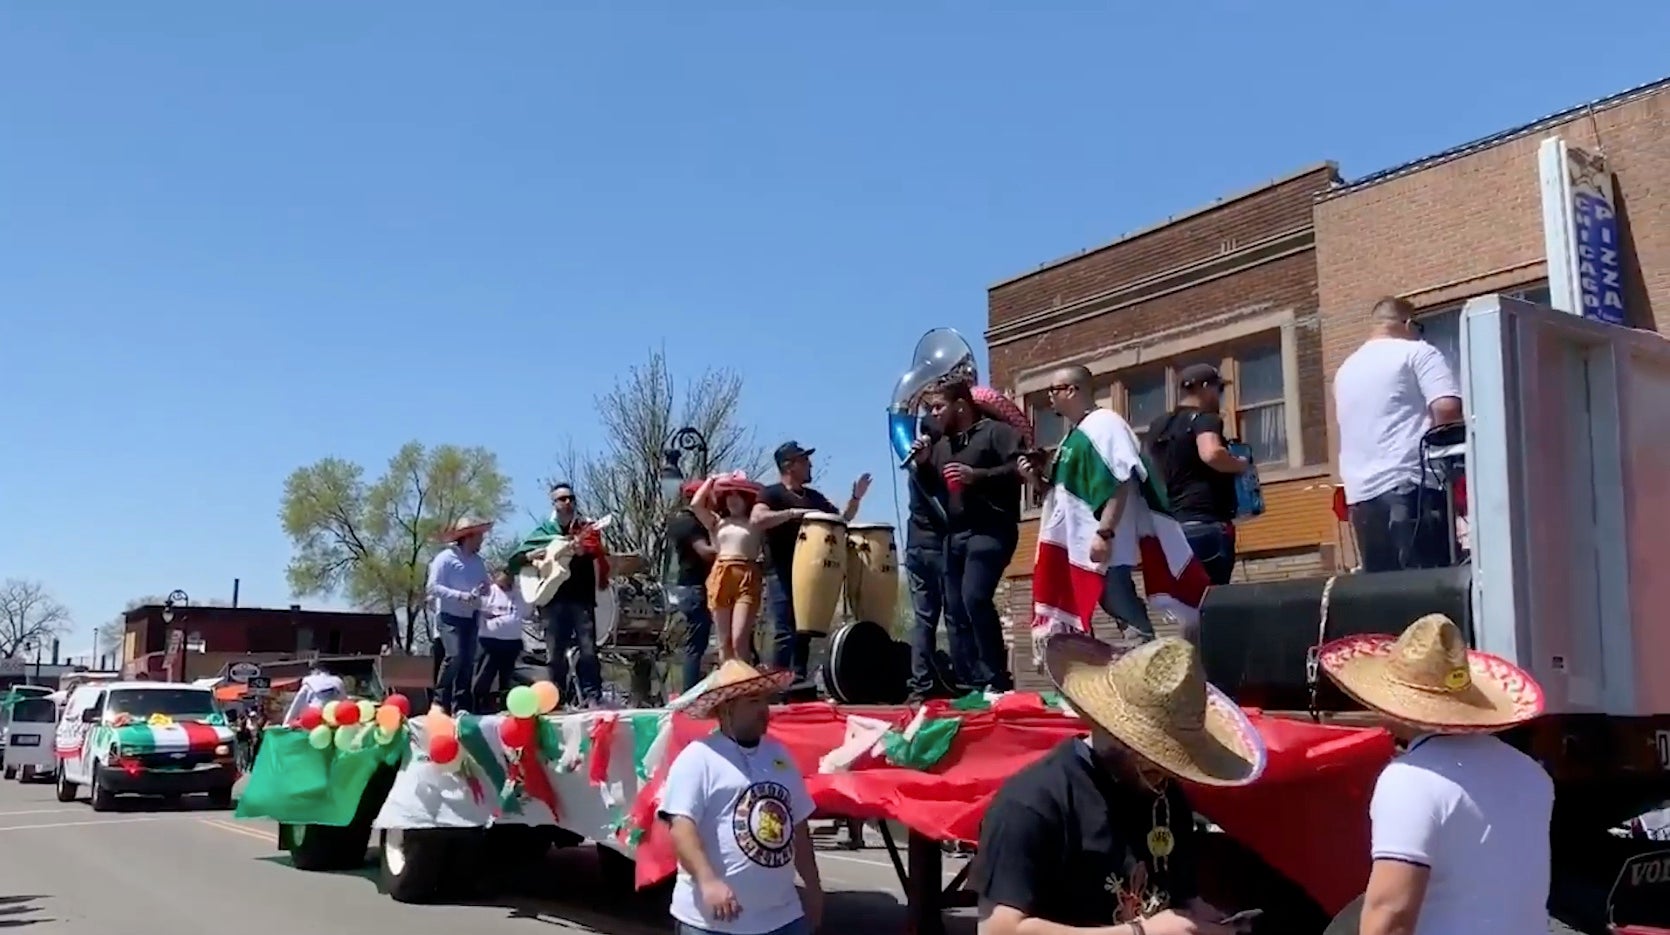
x,y
974,563
572,624
498,664
1407,527
1214,545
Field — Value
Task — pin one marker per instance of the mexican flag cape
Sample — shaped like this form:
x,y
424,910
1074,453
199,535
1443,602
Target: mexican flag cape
x,y
1097,456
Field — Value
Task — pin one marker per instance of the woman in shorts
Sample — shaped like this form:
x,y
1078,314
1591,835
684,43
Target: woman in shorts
x,y
735,583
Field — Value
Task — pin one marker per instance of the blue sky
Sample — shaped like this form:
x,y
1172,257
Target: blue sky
x,y
236,238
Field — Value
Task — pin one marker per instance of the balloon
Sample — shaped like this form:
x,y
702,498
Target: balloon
x,y
400,703
547,694
388,718
310,718
516,732
368,711
320,736
345,737
328,712
438,724
443,749
346,713
384,737
522,702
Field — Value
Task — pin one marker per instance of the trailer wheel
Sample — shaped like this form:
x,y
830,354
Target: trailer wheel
x,y
620,872
324,847
412,864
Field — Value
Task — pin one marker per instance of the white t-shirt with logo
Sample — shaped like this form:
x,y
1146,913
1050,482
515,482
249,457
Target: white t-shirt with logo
x,y
1475,811
1381,395
745,804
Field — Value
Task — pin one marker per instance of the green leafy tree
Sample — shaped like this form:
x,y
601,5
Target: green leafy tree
x,y
369,542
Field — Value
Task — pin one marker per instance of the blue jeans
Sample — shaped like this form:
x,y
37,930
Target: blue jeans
x,y
789,649
1214,545
458,641
925,573
1403,528
1120,601
974,563
797,927
568,623
690,602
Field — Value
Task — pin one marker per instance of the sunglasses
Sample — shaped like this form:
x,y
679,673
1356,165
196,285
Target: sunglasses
x,y
565,498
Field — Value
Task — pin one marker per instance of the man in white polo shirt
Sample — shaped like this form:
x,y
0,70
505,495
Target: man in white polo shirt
x,y
1387,395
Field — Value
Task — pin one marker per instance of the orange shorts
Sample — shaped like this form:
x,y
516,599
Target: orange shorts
x,y
734,582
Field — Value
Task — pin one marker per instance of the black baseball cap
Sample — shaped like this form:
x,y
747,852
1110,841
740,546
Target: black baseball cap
x,y
1201,375
790,452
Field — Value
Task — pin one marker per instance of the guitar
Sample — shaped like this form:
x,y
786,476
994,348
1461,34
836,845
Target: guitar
x,y
547,567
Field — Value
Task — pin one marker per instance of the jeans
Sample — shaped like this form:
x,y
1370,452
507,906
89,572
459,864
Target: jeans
x,y
789,649
974,563
498,664
1407,527
925,573
458,640
1214,545
690,602
797,927
1121,602
571,624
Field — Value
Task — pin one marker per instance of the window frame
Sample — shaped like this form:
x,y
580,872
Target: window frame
x,y
1452,311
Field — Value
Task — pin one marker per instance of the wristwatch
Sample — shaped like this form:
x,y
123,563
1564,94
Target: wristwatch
x,y
1106,535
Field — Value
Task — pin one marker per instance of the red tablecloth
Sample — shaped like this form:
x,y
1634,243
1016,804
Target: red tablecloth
x,y
1307,817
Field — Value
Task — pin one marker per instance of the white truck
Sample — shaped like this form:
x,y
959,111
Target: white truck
x,y
146,738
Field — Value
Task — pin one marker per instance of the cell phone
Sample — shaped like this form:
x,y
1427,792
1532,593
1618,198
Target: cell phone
x,y
1243,918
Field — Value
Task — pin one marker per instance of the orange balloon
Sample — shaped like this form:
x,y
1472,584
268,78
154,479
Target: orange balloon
x,y
388,718
548,695
439,725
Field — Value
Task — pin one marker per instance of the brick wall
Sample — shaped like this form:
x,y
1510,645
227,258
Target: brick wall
x,y
1469,224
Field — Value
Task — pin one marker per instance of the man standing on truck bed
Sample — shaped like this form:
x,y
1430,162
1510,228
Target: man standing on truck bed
x,y
1387,395
1199,470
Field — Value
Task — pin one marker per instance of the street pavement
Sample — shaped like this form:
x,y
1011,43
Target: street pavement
x,y
151,869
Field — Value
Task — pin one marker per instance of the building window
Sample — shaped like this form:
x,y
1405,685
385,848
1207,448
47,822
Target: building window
x,y
1442,326
1145,400
1048,428
1260,396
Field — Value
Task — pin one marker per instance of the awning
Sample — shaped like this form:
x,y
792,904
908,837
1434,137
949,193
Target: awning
x,y
237,690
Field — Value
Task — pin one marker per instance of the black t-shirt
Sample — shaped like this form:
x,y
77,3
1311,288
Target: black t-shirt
x,y
1198,492
779,540
990,503
1067,842
581,586
684,530
926,529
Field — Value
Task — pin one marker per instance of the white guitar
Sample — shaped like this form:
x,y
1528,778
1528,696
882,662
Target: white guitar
x,y
547,568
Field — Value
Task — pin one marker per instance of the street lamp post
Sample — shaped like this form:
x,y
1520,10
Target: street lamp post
x,y
174,648
684,441
176,598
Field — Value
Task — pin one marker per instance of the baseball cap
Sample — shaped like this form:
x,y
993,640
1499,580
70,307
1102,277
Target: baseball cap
x,y
789,452
1200,375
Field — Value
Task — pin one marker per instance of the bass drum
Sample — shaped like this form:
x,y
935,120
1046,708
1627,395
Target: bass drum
x,y
866,666
608,615
1255,638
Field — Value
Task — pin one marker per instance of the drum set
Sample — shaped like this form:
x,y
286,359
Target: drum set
x,y
834,558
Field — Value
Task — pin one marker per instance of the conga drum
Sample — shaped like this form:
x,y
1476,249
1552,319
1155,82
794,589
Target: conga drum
x,y
872,573
820,558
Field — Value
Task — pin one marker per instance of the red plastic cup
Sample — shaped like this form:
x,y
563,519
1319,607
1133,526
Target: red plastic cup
x,y
953,480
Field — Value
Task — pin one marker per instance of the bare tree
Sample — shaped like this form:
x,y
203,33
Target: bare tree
x,y
29,614
639,414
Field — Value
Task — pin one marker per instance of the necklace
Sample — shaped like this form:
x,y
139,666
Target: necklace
x,y
1161,841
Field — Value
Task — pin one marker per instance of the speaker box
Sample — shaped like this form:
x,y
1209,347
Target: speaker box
x,y
1254,638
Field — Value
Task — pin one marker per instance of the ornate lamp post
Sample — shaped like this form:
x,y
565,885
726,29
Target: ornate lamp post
x,y
684,441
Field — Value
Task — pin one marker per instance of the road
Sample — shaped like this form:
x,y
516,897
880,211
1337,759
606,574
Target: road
x,y
150,869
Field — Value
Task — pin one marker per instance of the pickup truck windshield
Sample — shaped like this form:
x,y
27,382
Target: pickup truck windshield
x,y
174,702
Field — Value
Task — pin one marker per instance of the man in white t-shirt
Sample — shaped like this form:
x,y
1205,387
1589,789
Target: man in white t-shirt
x,y
1460,819
737,807
1387,395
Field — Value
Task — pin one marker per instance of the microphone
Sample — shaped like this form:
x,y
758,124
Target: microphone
x,y
929,429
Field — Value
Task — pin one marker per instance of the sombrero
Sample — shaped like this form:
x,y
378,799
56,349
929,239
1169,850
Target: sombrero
x,y
736,679
1428,678
1155,700
465,526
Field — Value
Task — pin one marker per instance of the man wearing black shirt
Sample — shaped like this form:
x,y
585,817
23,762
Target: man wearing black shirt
x,y
1199,471
974,468
925,574
570,617
692,558
794,465
1097,836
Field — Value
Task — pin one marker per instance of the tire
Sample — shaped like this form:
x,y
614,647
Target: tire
x,y
413,863
65,789
102,799
620,872
323,848
221,798
28,774
11,772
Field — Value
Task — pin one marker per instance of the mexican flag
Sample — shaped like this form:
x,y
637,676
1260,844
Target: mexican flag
x,y
1098,455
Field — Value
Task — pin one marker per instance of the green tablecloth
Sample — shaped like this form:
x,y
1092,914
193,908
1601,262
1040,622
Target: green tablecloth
x,y
295,783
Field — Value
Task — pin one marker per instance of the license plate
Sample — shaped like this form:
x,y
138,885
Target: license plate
x,y
25,740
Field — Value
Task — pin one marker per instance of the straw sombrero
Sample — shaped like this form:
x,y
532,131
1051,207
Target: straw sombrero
x,y
465,527
736,679
1428,678
1155,700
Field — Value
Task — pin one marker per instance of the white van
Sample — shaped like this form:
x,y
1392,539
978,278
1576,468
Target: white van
x,y
147,738
29,739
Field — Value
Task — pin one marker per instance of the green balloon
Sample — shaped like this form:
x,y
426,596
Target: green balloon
x,y
320,737
522,702
345,736
368,712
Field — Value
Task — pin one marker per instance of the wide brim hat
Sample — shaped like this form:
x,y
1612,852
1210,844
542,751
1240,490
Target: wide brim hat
x,y
736,679
465,527
1429,679
1156,701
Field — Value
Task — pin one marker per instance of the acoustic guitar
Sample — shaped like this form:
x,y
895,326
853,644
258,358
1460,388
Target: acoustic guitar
x,y
547,567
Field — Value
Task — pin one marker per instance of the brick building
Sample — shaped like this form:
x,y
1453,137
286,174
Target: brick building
x,y
261,630
1233,283
1469,222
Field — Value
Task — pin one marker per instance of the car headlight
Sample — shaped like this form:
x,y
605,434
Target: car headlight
x,y
223,750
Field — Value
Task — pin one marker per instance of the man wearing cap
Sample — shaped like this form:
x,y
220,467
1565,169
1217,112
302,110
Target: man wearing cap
x,y
1459,819
458,583
1199,470
1097,836
736,807
790,650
